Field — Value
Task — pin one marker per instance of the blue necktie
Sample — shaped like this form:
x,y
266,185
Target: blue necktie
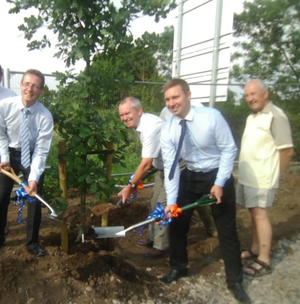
x,y
25,148
176,159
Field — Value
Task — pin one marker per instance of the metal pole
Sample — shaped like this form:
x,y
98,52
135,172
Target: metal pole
x,y
179,38
7,79
215,63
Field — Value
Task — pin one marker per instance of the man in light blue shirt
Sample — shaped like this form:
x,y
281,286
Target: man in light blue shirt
x,y
39,123
208,150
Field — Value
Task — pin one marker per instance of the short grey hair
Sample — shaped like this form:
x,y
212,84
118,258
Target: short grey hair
x,y
263,86
135,103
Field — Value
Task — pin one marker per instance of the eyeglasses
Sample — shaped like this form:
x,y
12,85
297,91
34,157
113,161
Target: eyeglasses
x,y
27,85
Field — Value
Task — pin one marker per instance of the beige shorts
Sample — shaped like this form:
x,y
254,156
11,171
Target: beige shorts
x,y
254,197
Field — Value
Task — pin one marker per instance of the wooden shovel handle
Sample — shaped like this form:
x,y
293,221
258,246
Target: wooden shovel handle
x,y
14,176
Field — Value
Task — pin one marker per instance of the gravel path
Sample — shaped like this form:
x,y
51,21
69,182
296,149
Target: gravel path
x,y
282,286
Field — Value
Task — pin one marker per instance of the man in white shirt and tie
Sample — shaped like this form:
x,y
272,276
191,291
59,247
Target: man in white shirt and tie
x,y
12,131
203,139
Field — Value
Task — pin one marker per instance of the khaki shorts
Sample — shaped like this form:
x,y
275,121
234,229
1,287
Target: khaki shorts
x,y
254,197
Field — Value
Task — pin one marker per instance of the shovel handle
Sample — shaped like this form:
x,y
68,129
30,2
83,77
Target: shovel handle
x,y
14,176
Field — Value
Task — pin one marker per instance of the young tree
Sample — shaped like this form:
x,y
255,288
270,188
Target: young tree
x,y
88,29
85,27
269,42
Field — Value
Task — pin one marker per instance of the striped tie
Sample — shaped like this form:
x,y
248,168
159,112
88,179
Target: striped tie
x,y
25,148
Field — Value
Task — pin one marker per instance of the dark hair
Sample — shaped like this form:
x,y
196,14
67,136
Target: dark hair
x,y
177,81
36,73
1,71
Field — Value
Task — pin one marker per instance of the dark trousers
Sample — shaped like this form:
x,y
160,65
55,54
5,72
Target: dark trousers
x,y
193,185
34,208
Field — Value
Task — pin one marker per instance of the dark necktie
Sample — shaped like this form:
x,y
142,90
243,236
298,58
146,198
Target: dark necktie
x,y
176,159
25,148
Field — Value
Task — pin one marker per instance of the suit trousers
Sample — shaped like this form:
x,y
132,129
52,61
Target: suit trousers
x,y
159,235
193,185
34,211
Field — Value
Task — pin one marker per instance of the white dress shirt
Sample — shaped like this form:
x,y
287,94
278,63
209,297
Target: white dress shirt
x,y
40,132
148,131
208,144
5,93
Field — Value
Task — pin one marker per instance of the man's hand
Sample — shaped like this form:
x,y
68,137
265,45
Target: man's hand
x,y
217,192
5,166
32,188
167,210
125,193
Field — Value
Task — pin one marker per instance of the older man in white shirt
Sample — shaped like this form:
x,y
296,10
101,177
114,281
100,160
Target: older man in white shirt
x,y
147,127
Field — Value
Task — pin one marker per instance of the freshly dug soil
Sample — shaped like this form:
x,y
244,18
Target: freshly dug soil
x,y
90,273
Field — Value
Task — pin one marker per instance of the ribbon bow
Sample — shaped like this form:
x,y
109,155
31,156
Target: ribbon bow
x,y
22,196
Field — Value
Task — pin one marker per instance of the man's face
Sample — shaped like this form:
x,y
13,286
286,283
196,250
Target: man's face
x,y
255,97
130,116
177,101
31,88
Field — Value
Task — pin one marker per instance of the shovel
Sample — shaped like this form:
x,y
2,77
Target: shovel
x,y
13,176
117,232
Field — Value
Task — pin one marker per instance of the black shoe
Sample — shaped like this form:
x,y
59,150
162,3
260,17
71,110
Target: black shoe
x,y
145,243
239,293
38,251
174,275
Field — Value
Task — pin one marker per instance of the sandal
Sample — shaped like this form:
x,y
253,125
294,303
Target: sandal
x,y
263,270
251,254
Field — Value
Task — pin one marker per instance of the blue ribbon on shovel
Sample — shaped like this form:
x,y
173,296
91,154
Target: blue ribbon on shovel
x,y
22,195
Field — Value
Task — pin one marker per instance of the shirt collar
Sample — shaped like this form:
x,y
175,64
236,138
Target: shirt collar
x,y
188,117
139,126
266,109
31,109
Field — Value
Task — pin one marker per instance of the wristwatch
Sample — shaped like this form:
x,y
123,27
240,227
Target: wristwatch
x,y
132,185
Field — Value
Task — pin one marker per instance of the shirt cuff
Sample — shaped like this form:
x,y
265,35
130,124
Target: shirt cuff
x,y
171,201
5,158
220,182
34,177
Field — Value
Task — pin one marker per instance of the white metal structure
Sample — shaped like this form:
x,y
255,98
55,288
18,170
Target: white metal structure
x,y
202,42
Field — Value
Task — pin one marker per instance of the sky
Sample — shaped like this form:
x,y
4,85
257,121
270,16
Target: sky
x,y
15,56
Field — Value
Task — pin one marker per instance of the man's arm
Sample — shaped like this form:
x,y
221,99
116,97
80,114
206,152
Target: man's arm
x,y
3,138
41,150
285,158
168,154
226,145
141,170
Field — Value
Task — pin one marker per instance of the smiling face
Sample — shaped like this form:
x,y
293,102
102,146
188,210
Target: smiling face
x,y
129,115
177,101
256,98
30,89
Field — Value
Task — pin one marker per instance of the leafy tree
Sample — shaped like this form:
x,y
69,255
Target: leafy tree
x,y
89,30
165,52
268,45
85,27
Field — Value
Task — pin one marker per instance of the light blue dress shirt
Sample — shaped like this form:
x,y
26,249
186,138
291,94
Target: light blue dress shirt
x,y
40,123
208,144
